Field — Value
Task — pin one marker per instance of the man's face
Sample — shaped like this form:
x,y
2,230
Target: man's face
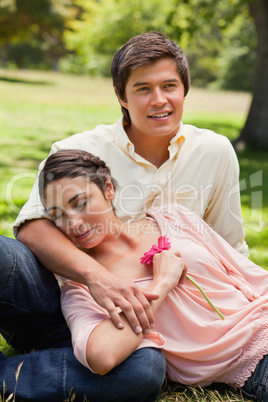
x,y
154,100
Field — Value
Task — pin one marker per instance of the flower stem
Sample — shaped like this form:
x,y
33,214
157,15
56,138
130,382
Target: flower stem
x,y
205,296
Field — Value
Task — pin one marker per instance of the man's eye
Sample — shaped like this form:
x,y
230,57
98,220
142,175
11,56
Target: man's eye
x,y
142,89
169,85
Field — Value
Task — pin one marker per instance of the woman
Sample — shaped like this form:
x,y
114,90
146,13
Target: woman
x,y
199,346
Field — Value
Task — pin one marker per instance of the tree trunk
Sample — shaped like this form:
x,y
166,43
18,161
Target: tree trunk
x,y
4,56
255,131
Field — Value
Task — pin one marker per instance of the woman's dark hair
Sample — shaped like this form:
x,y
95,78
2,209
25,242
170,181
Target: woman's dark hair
x,y
71,163
142,50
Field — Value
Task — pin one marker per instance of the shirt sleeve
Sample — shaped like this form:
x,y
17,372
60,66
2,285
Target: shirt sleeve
x,y
83,314
34,208
223,212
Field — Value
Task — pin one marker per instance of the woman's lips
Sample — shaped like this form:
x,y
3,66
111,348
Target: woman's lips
x,y
84,234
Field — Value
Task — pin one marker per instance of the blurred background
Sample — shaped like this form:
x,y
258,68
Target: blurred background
x,y
81,36
226,41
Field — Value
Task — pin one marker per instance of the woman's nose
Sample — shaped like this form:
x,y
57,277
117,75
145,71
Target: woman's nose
x,y
75,220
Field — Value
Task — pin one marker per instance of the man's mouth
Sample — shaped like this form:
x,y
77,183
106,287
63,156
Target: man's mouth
x,y
160,115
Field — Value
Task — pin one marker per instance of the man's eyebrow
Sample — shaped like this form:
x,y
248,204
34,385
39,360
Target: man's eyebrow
x,y
141,83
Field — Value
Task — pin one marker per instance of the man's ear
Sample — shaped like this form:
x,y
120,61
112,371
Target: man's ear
x,y
121,101
109,190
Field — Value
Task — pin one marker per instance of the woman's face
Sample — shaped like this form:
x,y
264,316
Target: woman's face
x,y
80,209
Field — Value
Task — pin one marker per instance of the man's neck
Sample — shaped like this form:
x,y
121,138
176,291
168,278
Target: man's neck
x,y
153,149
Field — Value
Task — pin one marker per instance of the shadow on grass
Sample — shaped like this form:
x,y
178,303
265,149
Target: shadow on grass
x,y
175,392
23,81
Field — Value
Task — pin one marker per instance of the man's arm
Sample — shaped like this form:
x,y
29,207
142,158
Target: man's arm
x,y
55,251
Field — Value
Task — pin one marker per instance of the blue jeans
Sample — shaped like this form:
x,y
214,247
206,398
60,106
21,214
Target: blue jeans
x,y
31,318
256,386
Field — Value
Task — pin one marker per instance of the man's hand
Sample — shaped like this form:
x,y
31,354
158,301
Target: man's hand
x,y
112,292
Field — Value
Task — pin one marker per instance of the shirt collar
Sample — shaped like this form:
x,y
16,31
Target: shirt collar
x,y
127,146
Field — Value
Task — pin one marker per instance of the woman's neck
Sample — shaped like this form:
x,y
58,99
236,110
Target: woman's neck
x,y
124,249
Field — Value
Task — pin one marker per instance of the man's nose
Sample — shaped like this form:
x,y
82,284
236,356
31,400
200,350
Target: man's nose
x,y
158,98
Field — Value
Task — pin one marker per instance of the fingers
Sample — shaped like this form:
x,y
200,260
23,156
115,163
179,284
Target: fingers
x,y
114,314
136,309
183,266
184,273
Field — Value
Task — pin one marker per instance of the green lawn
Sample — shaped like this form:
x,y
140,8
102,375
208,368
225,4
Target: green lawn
x,y
38,108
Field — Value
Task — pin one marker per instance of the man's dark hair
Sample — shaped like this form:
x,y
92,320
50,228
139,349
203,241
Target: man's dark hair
x,y
140,51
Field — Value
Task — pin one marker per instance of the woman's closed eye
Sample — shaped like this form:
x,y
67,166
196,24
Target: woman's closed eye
x,y
56,215
80,205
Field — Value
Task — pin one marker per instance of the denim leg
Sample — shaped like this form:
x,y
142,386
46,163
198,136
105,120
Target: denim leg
x,y
139,378
50,375
30,312
256,386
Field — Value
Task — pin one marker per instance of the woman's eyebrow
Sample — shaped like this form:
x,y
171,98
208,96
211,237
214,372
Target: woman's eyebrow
x,y
75,197
52,208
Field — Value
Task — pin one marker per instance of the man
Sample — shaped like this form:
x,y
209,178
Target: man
x,y
155,159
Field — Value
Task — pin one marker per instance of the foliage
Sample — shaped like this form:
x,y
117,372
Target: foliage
x,y
237,61
106,25
81,36
35,25
218,37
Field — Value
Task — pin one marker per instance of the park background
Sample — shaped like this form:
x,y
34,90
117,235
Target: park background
x,y
55,57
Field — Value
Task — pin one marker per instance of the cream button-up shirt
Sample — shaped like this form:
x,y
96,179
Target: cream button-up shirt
x,y
201,173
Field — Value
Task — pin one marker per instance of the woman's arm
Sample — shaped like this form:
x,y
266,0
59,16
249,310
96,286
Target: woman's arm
x,y
55,251
107,347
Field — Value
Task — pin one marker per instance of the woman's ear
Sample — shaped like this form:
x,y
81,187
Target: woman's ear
x,y
109,190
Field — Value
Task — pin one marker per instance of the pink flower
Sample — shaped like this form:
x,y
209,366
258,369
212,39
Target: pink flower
x,y
163,244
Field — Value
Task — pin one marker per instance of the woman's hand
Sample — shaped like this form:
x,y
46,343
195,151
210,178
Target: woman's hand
x,y
168,269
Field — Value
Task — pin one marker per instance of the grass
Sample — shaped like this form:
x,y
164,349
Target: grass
x,y
38,108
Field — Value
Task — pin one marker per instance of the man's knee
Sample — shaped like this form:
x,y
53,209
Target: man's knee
x,y
138,378
6,251
7,260
152,367
147,374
